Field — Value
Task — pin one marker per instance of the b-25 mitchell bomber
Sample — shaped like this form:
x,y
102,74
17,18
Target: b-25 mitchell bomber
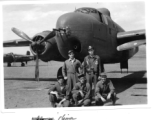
x,y
13,58
79,29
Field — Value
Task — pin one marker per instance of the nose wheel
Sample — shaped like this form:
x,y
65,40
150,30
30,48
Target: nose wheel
x,y
59,73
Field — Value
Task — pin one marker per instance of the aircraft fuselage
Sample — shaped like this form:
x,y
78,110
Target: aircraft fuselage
x,y
79,29
85,30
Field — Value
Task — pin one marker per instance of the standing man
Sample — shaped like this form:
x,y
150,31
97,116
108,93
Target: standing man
x,y
57,94
81,92
70,71
92,67
104,90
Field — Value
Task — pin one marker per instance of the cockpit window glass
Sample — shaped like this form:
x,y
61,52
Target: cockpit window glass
x,y
86,10
92,12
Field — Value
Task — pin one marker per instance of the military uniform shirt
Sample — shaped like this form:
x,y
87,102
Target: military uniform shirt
x,y
85,88
105,88
60,89
71,67
92,64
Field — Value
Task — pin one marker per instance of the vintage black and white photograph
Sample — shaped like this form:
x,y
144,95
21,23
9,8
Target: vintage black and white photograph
x,y
74,55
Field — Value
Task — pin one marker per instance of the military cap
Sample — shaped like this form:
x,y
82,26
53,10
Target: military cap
x,y
60,77
103,75
90,48
70,51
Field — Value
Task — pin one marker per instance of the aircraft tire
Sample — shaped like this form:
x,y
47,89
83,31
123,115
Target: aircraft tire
x,y
22,64
59,72
9,64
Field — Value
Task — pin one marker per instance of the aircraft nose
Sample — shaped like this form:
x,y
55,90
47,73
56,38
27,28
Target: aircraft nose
x,y
74,21
77,24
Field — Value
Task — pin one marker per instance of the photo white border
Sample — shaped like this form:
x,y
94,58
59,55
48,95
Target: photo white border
x,y
88,109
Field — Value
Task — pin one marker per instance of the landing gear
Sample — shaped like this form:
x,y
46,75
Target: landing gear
x,y
102,67
59,73
22,64
8,64
124,65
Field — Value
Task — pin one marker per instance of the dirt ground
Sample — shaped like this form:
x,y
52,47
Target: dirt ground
x,y
22,91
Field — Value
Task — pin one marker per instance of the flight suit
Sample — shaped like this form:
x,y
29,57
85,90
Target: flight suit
x,y
62,94
71,70
104,90
85,88
92,69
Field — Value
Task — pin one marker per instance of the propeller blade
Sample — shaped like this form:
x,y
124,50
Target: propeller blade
x,y
21,34
52,34
37,68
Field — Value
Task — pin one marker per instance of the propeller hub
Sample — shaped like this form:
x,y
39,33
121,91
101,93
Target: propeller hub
x,y
36,46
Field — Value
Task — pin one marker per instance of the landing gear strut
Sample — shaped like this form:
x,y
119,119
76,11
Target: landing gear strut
x,y
124,65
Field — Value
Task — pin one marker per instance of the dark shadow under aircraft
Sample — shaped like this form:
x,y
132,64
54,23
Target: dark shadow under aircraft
x,y
79,29
12,58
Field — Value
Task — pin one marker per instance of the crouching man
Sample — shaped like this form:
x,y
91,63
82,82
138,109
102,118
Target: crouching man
x,y
57,94
81,92
104,90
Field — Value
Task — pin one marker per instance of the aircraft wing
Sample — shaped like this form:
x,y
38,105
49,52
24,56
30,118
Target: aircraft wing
x,y
23,56
130,39
16,43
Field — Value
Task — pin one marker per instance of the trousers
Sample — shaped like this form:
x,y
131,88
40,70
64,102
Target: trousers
x,y
77,97
92,78
72,79
100,102
53,99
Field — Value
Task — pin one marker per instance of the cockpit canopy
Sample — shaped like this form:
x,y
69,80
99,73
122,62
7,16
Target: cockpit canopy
x,y
91,11
87,10
104,11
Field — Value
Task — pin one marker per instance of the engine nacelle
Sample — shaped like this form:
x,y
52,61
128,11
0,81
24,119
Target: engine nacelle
x,y
48,50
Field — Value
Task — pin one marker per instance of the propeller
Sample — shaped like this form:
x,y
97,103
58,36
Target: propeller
x,y
52,34
21,34
36,44
37,67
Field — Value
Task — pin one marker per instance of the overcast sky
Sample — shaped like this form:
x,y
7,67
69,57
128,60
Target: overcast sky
x,y
34,18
